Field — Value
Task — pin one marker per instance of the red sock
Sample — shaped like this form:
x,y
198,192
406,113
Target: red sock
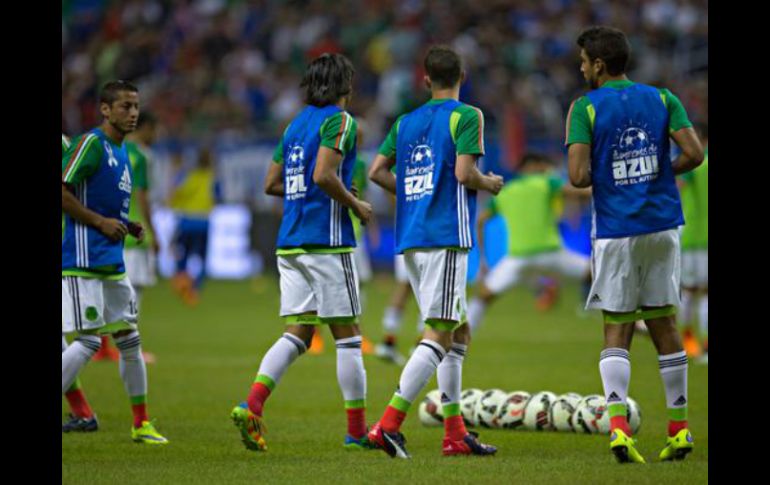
x,y
392,419
257,397
620,422
454,428
140,414
105,342
676,426
356,422
78,403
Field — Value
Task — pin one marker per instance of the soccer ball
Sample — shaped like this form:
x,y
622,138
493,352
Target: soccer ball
x,y
633,415
468,405
536,413
633,139
296,154
430,411
562,411
590,410
511,413
488,407
422,154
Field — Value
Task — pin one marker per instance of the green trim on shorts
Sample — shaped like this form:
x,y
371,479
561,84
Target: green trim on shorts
x,y
82,273
115,327
301,320
338,320
311,250
628,317
449,248
442,325
355,404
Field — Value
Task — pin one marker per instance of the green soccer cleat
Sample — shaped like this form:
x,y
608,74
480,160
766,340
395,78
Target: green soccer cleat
x,y
147,434
251,427
623,446
677,447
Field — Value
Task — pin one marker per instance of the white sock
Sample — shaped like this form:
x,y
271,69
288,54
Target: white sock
x,y
391,320
476,310
138,292
351,374
703,316
687,308
450,374
673,370
76,356
280,356
419,369
615,369
132,368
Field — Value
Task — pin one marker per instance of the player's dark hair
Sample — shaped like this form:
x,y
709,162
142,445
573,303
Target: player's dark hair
x,y
443,66
110,91
532,157
327,79
608,44
146,118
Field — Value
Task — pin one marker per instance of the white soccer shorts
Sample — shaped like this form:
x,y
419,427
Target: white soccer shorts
x,y
89,304
140,267
438,278
400,269
322,283
634,272
695,268
510,271
363,263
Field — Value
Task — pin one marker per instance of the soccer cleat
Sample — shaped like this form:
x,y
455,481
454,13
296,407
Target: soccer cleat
x,y
353,444
392,443
251,427
148,434
77,423
623,446
389,353
691,345
367,347
547,296
470,445
677,447
317,344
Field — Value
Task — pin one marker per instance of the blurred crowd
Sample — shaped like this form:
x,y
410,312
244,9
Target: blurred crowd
x,y
230,69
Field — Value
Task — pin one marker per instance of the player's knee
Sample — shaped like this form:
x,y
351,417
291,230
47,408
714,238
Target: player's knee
x,y
462,335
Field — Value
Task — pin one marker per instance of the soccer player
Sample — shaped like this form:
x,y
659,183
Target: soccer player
x,y
81,417
618,138
312,171
387,350
193,200
528,204
694,190
97,297
435,149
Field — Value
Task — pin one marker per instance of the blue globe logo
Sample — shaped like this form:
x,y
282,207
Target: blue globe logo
x,y
296,154
422,154
633,139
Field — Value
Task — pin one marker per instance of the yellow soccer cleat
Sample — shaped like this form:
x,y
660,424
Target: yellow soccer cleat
x,y
251,427
623,446
677,447
147,434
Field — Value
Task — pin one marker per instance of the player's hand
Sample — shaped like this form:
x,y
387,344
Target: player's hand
x,y
112,228
137,230
363,210
495,183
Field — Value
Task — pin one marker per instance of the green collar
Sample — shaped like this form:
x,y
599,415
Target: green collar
x,y
618,84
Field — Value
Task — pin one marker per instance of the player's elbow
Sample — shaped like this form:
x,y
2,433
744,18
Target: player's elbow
x,y
463,176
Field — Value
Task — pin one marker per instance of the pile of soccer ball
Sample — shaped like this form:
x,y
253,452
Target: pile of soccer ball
x,y
542,411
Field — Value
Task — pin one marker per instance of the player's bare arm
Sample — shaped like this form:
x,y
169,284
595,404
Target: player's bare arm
x,y
274,180
469,175
381,175
144,206
579,161
112,228
325,176
692,150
